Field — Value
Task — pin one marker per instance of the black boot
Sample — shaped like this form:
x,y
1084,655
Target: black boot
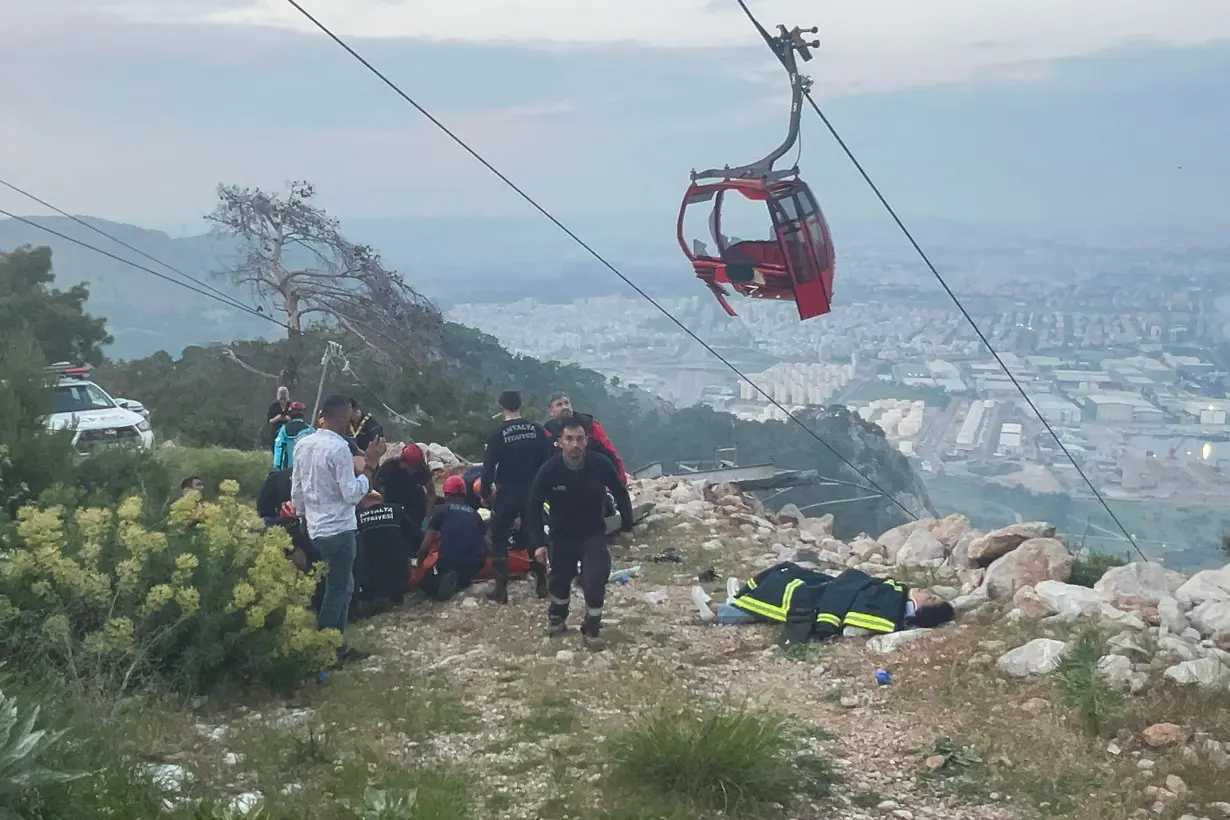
x,y
540,579
557,619
447,587
591,628
499,570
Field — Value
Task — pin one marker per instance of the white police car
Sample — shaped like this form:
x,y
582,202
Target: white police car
x,y
96,419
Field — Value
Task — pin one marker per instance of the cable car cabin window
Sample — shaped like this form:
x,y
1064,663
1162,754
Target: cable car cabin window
x,y
796,248
815,232
816,229
793,207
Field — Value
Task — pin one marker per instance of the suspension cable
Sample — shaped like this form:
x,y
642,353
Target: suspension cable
x,y
964,312
140,267
874,487
221,294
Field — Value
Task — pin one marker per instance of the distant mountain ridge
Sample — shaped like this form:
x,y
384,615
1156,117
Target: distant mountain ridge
x,y
440,257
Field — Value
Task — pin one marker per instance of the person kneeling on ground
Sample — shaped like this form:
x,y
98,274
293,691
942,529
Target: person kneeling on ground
x,y
813,606
458,534
382,565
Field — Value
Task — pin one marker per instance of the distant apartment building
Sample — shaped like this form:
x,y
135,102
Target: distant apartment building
x,y
797,383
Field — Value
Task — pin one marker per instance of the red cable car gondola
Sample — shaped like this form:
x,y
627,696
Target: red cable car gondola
x,y
797,263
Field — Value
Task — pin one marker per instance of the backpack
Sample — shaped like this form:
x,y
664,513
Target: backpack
x,y
292,431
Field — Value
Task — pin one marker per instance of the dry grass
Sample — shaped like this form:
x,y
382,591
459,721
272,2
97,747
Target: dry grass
x,y
478,709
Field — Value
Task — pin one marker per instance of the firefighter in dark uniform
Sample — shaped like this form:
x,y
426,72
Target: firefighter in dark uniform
x,y
815,606
514,455
574,483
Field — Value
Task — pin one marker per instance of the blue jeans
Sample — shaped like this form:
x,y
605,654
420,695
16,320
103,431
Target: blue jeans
x,y
338,553
728,615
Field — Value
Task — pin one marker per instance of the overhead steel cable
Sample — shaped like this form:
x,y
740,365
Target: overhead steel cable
x,y
874,487
138,266
956,301
221,294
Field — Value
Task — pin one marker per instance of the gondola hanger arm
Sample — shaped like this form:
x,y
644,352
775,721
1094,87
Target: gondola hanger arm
x,y
784,46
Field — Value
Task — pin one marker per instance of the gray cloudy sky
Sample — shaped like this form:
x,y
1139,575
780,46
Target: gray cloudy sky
x,y
1044,111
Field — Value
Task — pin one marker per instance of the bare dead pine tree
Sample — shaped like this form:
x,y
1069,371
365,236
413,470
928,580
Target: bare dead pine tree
x,y
295,259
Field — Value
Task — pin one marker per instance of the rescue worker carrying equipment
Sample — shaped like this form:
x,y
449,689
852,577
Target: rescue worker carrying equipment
x,y
515,452
815,606
457,534
574,483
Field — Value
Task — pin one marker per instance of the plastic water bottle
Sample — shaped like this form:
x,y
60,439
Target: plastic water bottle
x,y
623,576
883,677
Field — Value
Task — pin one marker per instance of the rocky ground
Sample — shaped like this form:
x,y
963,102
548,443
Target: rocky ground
x,y
981,719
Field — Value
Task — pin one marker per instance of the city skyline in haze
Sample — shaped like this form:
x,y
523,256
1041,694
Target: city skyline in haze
x,y
1086,113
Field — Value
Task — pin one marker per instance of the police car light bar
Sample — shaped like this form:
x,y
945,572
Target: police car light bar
x,y
67,369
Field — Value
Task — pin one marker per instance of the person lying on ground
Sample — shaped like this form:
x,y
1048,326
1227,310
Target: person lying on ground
x,y
574,482
458,535
813,606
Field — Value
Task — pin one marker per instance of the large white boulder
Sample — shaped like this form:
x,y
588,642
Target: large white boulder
x,y
1067,600
984,550
1041,656
1033,561
921,548
1203,672
1207,585
1211,617
1141,579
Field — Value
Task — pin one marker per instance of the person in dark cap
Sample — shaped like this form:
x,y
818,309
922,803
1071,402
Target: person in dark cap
x,y
514,454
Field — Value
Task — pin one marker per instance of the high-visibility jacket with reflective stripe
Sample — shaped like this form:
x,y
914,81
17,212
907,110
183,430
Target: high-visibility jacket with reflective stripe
x,y
852,598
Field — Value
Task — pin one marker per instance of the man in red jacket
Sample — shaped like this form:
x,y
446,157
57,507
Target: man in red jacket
x,y
560,408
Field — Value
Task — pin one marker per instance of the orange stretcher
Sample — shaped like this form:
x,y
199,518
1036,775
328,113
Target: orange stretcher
x,y
518,566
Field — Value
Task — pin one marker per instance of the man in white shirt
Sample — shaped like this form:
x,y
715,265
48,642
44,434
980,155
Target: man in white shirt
x,y
326,484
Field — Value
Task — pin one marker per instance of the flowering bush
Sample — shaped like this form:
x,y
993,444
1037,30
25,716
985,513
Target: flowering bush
x,y
209,599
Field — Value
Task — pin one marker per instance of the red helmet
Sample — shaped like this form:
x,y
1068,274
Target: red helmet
x,y
296,409
412,455
372,499
454,485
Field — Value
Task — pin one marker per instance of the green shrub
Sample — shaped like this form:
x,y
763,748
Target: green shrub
x,y
209,600
22,749
108,477
731,760
215,465
1083,688
1088,569
35,458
